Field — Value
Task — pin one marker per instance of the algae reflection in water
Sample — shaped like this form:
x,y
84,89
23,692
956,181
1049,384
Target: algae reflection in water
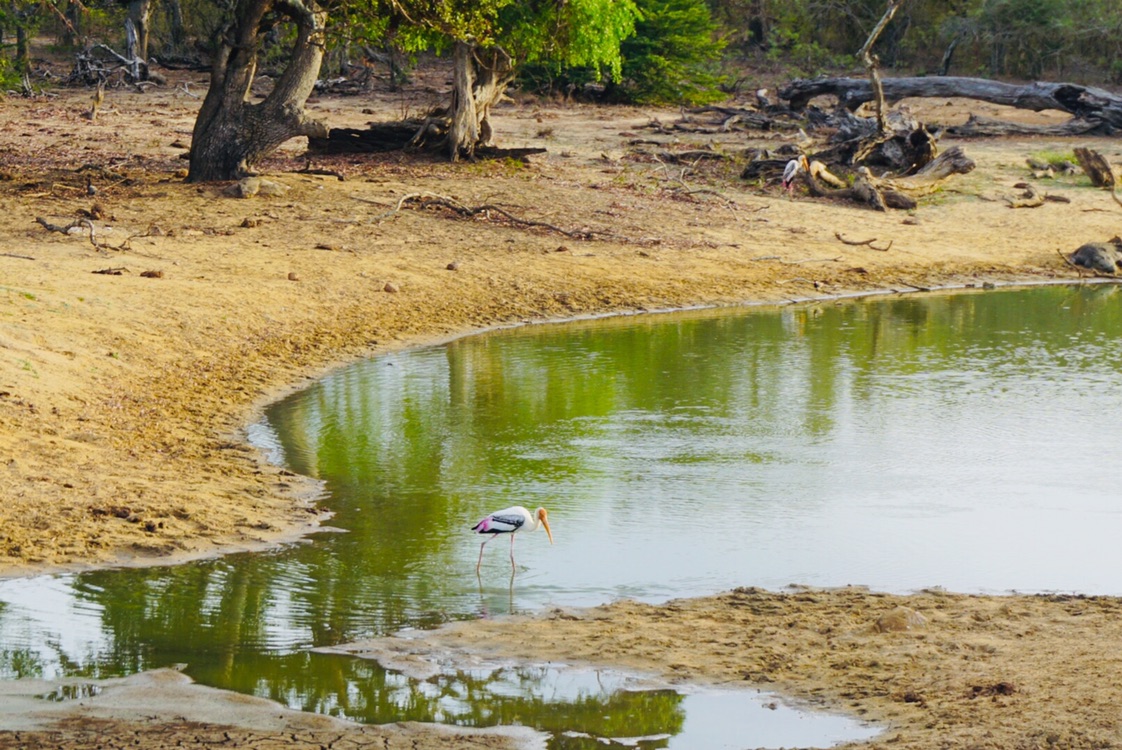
x,y
898,443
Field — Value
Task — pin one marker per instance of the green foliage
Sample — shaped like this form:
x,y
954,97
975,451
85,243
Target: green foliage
x,y
570,33
673,56
9,76
1055,158
577,33
805,57
1054,39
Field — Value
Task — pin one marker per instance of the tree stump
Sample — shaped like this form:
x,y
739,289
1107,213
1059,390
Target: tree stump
x,y
1096,166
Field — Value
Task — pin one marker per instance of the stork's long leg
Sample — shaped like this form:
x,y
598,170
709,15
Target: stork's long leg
x,y
512,568
480,561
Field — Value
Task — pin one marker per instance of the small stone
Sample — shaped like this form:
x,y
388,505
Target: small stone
x,y
251,186
900,620
293,276
272,189
391,287
246,188
453,265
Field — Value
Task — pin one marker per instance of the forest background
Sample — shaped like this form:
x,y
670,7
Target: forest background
x,y
679,51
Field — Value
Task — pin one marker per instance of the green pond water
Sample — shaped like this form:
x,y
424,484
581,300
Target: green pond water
x,y
964,441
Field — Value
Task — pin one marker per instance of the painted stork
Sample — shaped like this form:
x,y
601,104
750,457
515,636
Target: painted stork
x,y
509,521
792,170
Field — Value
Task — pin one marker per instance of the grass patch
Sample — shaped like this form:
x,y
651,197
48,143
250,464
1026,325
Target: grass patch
x,y
1055,158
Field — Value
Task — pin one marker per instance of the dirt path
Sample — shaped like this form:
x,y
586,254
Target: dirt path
x,y
131,362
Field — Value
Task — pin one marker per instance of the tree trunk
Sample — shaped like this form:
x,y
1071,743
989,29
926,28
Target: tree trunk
x,y
948,55
73,31
1081,101
231,134
479,79
177,31
463,131
23,48
138,14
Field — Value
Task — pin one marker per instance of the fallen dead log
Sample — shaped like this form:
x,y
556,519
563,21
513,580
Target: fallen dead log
x,y
1100,257
396,136
975,127
1086,102
692,156
862,192
951,162
380,137
905,148
712,119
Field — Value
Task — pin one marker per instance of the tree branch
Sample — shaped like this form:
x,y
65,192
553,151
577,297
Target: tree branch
x,y
867,243
424,200
871,61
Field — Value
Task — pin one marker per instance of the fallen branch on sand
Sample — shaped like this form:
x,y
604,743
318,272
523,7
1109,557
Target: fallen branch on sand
x,y
65,229
429,200
867,243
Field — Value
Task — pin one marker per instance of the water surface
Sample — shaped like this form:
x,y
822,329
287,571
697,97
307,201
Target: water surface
x,y
964,441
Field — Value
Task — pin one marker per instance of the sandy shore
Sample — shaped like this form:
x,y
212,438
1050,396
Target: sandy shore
x,y
132,360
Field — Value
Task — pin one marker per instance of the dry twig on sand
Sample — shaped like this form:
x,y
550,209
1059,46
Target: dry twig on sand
x,y
866,243
427,200
65,229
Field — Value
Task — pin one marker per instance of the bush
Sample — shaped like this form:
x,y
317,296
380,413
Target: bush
x,y
673,58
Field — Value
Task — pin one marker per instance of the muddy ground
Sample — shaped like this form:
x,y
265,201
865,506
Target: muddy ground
x,y
132,359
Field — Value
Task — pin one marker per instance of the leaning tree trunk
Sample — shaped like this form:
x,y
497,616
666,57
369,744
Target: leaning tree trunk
x,y
479,80
231,134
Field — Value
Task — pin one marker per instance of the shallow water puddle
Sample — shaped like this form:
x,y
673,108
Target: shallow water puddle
x,y
610,707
